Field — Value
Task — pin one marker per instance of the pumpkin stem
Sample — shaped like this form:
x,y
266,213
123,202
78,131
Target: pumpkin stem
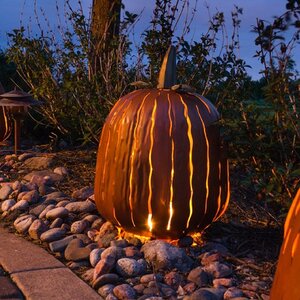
x,y
167,74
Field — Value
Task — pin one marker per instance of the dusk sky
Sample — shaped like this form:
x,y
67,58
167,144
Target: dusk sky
x,y
14,12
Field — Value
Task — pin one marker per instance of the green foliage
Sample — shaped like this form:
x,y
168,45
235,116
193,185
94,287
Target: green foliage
x,y
58,71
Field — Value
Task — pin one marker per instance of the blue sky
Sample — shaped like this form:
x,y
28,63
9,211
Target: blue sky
x,y
14,12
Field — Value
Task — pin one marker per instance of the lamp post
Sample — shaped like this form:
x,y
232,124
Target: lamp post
x,y
17,103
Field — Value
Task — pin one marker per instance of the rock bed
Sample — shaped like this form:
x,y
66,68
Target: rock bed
x,y
118,268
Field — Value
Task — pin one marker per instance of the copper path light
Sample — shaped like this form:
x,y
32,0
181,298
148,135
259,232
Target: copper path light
x,y
17,103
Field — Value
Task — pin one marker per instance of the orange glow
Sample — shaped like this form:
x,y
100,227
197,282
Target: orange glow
x,y
295,245
171,212
105,157
228,193
150,225
205,104
115,217
132,159
293,212
220,192
149,222
190,137
207,159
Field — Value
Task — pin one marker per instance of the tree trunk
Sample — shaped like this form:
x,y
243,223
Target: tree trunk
x,y
104,29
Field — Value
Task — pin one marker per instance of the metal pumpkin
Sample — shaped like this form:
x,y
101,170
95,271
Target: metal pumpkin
x,y
161,170
286,282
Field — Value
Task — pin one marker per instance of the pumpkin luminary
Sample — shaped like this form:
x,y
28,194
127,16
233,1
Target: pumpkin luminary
x,y
161,170
286,282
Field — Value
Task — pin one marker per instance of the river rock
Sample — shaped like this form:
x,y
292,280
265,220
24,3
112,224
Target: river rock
x,y
129,267
43,177
233,292
106,240
111,296
56,223
17,185
51,235
209,257
124,292
227,282
95,256
57,212
37,228
53,196
23,223
97,224
203,294
91,218
36,211
104,266
60,245
76,251
173,279
61,171
21,205
163,255
198,276
7,204
81,207
63,203
43,214
109,278
25,156
218,270
38,162
133,252
83,193
119,243
31,197
5,191
105,290
145,279
116,252
79,226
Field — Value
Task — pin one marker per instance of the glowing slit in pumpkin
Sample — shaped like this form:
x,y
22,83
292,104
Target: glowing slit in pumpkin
x,y
105,156
171,211
295,245
150,225
115,217
191,167
204,103
228,191
220,192
149,222
132,159
207,159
